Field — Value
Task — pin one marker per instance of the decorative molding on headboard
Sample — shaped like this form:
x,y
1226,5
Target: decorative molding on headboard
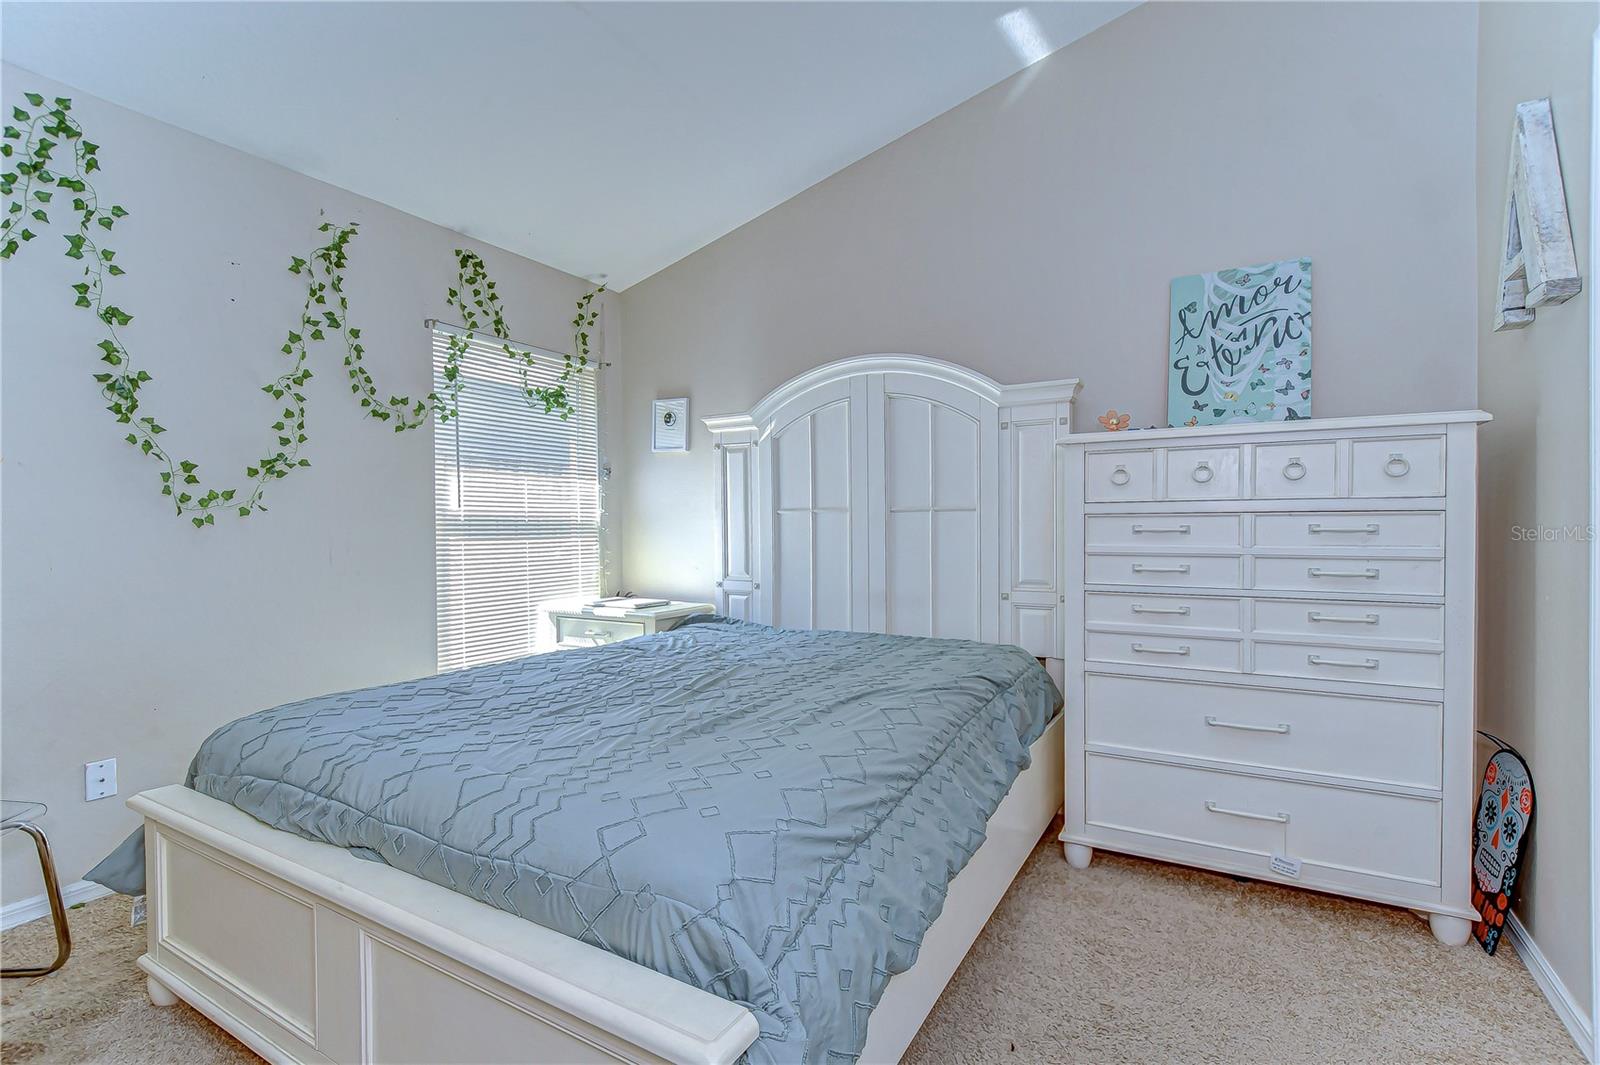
x,y
1063,390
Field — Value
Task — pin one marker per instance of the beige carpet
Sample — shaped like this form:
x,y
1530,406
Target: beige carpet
x,y
1124,961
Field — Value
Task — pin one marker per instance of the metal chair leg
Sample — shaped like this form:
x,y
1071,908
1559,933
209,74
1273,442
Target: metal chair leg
x,y
58,911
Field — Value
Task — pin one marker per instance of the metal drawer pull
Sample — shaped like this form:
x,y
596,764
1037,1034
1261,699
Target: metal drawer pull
x,y
1397,466
1181,649
1140,567
1316,527
1365,574
1120,476
1181,530
1281,819
1294,470
1282,730
1181,611
1364,619
1205,468
1365,663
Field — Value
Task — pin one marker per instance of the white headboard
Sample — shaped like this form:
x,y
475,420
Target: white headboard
x,y
895,493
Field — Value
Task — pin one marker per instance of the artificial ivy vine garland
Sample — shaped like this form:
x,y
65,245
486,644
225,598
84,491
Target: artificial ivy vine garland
x,y
29,150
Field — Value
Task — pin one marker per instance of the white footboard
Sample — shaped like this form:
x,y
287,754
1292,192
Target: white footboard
x,y
307,954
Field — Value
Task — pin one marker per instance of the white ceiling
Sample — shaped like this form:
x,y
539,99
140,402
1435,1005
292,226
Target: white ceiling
x,y
600,138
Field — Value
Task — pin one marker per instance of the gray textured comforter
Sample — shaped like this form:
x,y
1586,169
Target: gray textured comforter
x,y
771,815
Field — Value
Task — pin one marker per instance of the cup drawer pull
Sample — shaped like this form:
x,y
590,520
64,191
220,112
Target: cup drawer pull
x,y
1314,528
1365,663
1181,530
1341,619
1281,730
1180,611
1139,648
1140,567
1368,574
1281,819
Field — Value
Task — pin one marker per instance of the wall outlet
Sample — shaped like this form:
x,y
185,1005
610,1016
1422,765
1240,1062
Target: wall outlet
x,y
99,779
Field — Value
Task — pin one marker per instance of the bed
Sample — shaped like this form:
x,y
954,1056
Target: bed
x,y
775,791
729,841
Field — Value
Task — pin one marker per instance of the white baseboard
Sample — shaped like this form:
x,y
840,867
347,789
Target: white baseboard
x,y
24,910
1579,1024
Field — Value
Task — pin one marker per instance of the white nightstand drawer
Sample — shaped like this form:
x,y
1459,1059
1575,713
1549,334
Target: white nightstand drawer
x,y
1410,466
1170,571
1203,473
1162,530
1339,828
1402,622
1114,475
592,632
1161,611
1391,576
1423,531
1174,650
1369,665
1292,471
1300,732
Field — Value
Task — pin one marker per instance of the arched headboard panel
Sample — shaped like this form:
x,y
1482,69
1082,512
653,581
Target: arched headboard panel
x,y
895,493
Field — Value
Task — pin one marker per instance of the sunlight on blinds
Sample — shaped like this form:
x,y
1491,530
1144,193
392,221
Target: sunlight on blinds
x,y
516,507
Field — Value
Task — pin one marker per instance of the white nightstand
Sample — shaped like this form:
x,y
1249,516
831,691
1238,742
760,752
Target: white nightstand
x,y
580,625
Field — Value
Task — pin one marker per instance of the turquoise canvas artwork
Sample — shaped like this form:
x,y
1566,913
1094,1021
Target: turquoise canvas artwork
x,y
1240,345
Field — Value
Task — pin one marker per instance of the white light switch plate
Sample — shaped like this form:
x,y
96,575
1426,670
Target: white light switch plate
x,y
99,779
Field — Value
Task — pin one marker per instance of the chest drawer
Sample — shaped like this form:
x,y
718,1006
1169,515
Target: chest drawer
x,y
1300,732
1404,622
1172,571
1369,665
1162,530
1391,576
1175,650
1338,828
592,632
1203,473
1295,471
1161,611
1112,475
1422,531
1410,466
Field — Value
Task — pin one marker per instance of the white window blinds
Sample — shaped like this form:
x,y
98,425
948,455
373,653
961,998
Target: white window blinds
x,y
516,505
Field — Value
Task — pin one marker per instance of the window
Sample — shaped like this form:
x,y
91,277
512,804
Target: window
x,y
516,506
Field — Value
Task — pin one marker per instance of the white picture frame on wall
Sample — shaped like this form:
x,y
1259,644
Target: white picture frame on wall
x,y
669,425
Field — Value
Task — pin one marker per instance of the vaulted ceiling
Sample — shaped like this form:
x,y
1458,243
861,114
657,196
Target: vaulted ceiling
x,y
599,138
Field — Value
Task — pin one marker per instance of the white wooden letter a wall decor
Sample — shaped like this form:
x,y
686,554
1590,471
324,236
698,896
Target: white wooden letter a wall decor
x,y
1538,265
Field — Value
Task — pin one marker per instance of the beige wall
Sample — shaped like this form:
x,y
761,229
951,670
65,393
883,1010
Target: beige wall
x,y
125,633
1533,621
1032,231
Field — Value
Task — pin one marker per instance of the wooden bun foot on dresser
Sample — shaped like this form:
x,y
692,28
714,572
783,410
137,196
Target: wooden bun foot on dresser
x,y
159,995
1078,856
1451,931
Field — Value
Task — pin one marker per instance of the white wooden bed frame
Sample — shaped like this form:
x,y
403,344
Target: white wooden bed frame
x,y
306,953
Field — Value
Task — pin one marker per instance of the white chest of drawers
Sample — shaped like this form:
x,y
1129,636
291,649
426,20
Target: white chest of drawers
x,y
1269,653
